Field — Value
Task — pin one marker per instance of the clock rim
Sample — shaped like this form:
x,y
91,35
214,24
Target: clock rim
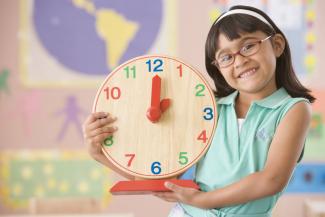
x,y
198,157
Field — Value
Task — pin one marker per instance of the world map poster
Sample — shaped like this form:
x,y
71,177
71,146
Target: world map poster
x,y
79,42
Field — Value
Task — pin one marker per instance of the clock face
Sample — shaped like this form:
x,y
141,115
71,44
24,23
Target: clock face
x,y
166,116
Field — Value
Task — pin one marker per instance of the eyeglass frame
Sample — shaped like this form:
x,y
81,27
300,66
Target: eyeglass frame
x,y
259,42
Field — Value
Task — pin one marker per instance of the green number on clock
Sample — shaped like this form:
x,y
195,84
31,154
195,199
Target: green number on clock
x,y
128,71
108,141
183,159
200,89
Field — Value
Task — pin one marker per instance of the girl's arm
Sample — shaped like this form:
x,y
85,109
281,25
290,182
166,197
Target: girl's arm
x,y
284,152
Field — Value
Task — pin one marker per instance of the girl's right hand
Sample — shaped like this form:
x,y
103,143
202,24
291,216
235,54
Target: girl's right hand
x,y
96,129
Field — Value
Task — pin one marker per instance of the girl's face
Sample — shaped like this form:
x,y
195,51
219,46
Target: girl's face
x,y
251,73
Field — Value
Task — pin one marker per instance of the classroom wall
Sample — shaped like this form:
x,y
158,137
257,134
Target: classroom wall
x,y
43,102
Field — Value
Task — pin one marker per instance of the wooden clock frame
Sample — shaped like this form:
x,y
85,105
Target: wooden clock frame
x,y
166,117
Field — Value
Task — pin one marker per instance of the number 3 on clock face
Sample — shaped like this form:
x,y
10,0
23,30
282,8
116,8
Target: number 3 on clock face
x,y
166,116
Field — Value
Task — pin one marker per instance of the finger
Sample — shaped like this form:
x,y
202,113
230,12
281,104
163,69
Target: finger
x,y
157,195
173,187
99,139
98,131
100,123
94,116
171,200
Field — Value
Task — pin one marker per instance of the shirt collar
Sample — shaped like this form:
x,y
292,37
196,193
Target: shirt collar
x,y
227,100
275,100
272,101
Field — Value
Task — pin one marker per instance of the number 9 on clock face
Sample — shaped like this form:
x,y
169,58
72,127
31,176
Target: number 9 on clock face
x,y
166,116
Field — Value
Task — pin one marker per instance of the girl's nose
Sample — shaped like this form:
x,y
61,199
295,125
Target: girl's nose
x,y
240,61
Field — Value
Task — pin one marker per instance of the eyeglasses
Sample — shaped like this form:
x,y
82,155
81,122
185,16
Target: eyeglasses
x,y
246,50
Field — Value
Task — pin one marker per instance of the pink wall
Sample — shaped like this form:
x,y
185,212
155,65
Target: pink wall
x,y
27,119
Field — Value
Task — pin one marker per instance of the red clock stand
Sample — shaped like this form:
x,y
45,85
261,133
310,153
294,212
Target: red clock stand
x,y
148,186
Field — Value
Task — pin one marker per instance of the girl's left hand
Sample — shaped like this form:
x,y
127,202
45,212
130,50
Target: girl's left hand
x,y
181,194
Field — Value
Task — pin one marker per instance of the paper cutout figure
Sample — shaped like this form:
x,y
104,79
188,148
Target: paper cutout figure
x,y
71,112
4,75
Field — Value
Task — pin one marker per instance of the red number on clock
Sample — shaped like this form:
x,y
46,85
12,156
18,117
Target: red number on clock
x,y
114,93
180,67
131,156
203,136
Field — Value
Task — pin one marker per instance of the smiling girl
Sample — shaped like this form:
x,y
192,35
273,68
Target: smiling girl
x,y
263,117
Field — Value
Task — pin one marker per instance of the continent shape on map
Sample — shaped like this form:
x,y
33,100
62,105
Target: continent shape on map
x,y
117,37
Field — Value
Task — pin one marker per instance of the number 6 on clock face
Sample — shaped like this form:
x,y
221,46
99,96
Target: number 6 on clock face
x,y
166,116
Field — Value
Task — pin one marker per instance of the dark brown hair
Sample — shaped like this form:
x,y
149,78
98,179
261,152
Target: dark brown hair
x,y
232,26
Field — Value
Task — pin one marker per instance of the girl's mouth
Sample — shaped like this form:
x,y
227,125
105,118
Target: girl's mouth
x,y
247,73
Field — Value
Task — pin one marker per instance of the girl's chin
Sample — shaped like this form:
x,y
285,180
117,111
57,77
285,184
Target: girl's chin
x,y
251,88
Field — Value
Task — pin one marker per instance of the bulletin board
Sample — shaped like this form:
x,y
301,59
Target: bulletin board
x,y
50,174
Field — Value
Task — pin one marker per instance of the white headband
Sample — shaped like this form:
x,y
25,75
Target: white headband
x,y
244,11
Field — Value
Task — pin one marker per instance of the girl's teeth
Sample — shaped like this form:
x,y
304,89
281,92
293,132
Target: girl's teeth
x,y
248,73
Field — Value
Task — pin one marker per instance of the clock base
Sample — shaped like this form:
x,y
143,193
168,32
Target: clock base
x,y
147,186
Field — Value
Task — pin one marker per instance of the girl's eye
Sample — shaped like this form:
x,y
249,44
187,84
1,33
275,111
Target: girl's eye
x,y
225,58
248,47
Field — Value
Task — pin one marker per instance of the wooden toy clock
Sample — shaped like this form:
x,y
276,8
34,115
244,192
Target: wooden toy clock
x,y
166,117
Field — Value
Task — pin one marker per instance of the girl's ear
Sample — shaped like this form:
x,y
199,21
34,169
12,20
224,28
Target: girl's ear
x,y
278,44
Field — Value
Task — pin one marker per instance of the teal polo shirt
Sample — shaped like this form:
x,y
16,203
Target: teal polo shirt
x,y
234,155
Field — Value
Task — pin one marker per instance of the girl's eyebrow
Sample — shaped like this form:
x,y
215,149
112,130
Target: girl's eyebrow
x,y
239,42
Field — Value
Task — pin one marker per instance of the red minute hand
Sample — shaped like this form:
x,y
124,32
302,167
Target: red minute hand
x,y
154,112
155,92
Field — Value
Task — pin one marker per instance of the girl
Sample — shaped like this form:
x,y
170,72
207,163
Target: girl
x,y
264,113
263,117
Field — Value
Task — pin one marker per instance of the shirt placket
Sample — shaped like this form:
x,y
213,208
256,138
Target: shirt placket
x,y
244,130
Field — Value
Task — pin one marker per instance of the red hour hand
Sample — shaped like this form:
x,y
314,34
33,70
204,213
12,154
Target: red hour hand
x,y
164,104
154,112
